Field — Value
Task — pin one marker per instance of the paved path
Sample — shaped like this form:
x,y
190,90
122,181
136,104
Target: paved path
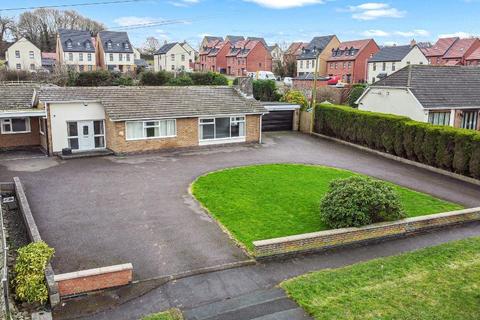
x,y
104,211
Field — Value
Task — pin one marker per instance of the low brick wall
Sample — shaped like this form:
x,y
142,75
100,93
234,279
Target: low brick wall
x,y
84,281
318,241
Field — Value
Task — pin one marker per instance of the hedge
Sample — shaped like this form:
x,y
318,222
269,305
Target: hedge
x,y
452,149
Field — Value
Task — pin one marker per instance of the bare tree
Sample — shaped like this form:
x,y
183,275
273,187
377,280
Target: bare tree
x,y
7,25
151,46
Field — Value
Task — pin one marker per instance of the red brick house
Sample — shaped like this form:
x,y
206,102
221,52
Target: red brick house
x,y
460,50
248,56
436,52
349,61
473,59
213,56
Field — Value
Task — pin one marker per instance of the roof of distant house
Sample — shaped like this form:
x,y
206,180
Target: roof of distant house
x,y
233,39
317,43
119,42
262,40
141,63
211,38
135,103
475,55
389,54
76,40
49,55
350,47
438,87
166,47
460,48
440,47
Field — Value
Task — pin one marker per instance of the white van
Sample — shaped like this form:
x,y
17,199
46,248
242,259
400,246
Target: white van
x,y
262,75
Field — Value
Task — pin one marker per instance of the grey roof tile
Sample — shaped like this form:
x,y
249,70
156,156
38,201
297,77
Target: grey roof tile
x,y
81,40
165,48
318,43
122,103
119,40
389,54
16,97
438,87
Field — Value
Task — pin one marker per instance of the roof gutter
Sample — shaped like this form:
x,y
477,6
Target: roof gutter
x,y
190,116
10,114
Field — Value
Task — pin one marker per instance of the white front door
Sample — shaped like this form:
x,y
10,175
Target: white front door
x,y
86,139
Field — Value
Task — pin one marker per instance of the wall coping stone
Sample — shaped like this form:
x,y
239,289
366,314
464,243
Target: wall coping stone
x,y
92,272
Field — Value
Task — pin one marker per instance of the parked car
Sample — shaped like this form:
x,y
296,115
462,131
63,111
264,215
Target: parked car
x,y
262,75
288,81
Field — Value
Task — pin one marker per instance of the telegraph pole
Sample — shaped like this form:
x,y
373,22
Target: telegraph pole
x,y
313,100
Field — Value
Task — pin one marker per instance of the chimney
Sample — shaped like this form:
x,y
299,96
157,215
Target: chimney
x,y
245,86
413,43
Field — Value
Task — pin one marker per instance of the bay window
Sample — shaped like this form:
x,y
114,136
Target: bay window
x,y
439,118
150,129
222,128
15,125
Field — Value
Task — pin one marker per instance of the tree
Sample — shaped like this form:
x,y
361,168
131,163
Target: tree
x,y
279,69
7,26
151,46
265,90
296,97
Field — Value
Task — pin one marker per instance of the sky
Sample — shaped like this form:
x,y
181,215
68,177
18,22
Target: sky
x,y
281,21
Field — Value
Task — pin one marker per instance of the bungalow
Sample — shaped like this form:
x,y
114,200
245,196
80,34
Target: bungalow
x,y
348,61
441,95
134,119
21,124
391,59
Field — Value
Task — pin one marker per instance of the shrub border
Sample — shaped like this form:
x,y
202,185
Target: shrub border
x,y
400,159
324,240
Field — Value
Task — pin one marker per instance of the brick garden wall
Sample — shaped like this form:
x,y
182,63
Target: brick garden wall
x,y
348,236
84,281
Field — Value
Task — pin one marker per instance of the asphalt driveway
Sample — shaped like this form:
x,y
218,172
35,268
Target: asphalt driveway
x,y
104,211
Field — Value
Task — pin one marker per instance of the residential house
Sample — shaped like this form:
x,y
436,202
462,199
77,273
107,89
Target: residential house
x,y
441,95
49,60
76,50
460,50
21,124
234,39
473,59
213,57
115,52
348,61
136,54
175,56
23,55
127,119
248,56
291,55
391,59
436,52
208,39
317,52
277,53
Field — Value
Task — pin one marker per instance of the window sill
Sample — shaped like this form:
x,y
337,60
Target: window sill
x,y
221,141
19,132
152,138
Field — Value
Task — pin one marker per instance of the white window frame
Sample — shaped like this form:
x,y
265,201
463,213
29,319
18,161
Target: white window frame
x,y
89,57
232,120
80,56
31,55
100,134
17,54
144,126
5,121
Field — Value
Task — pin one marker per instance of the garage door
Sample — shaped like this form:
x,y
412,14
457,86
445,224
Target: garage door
x,y
277,121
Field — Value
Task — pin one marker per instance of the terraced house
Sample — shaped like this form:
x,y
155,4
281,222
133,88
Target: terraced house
x,y
317,52
128,119
248,56
75,49
115,52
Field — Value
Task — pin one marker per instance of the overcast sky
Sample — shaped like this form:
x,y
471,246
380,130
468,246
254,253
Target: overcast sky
x,y
396,21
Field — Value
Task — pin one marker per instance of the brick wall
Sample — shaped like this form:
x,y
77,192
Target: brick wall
x,y
84,281
259,59
22,139
253,128
340,237
187,136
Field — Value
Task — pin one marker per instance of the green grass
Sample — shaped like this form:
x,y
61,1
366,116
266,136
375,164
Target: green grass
x,y
270,201
441,283
172,314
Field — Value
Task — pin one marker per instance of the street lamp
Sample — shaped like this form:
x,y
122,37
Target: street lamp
x,y
313,100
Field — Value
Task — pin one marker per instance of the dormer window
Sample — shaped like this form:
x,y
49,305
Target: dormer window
x,y
87,45
127,46
69,44
109,45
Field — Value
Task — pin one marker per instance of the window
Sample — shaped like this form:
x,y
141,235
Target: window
x,y
222,128
15,125
18,66
120,57
72,132
128,56
32,66
89,57
127,46
111,56
470,120
87,45
70,56
42,125
81,68
151,129
439,118
393,66
31,55
173,67
80,56
109,45
308,64
17,54
301,64
374,66
172,57
349,65
384,66
90,68
99,134
69,44
183,57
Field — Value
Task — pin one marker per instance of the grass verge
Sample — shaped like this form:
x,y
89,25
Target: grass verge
x,y
441,282
270,201
172,314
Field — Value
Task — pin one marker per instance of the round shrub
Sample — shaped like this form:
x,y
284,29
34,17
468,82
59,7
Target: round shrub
x,y
294,96
359,201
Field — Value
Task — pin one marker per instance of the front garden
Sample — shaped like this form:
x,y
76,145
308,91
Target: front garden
x,y
434,283
271,201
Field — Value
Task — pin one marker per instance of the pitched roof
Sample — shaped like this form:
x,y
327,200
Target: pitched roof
x,y
353,48
395,53
440,47
212,52
438,86
212,38
166,47
119,40
475,55
130,103
460,48
16,97
80,40
210,45
317,43
262,40
233,39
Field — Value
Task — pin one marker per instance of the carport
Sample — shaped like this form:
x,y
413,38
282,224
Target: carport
x,y
281,116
